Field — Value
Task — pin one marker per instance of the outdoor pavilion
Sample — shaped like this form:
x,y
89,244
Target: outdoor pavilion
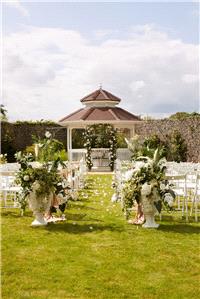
x,y
100,106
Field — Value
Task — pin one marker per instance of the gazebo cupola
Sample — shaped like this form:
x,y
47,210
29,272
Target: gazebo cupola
x,y
100,98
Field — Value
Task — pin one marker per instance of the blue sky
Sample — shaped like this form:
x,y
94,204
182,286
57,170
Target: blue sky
x,y
180,20
111,43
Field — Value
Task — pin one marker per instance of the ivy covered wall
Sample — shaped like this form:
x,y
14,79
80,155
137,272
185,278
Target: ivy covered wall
x,y
17,136
189,129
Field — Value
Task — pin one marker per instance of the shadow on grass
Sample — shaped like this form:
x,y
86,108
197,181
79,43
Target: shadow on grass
x,y
180,228
81,228
80,217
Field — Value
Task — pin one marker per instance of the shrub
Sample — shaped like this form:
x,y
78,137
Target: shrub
x,y
7,146
183,115
177,147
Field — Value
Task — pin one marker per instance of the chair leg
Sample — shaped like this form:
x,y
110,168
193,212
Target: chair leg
x,y
5,198
183,206
179,204
186,208
196,209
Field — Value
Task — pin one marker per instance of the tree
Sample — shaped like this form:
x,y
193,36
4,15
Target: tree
x,y
183,115
177,147
3,113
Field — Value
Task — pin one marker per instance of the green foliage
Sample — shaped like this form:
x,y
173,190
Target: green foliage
x,y
174,148
88,145
151,144
36,122
49,149
184,115
3,158
113,147
7,146
135,146
61,154
121,140
45,175
30,149
77,138
177,147
3,113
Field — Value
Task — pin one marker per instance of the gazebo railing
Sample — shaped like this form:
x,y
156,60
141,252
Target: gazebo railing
x,y
77,154
99,154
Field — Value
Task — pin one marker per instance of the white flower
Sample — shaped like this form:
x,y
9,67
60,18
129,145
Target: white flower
x,y
114,198
162,186
146,189
18,155
26,178
47,134
65,183
139,164
168,198
128,174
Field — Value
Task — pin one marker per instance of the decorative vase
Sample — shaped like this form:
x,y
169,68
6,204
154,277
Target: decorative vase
x,y
39,219
150,221
149,208
39,205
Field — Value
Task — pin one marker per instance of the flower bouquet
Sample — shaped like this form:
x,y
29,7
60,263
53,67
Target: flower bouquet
x,y
39,183
147,186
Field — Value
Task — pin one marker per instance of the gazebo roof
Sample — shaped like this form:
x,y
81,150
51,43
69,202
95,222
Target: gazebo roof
x,y
100,107
100,95
101,114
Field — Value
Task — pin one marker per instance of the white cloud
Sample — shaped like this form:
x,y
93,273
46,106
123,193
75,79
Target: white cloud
x,y
18,5
48,70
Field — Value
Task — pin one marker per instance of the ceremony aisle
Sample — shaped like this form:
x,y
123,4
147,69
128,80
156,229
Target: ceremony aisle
x,y
96,254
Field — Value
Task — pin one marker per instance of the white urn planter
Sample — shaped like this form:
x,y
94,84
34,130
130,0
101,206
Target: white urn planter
x,y
39,219
39,205
149,208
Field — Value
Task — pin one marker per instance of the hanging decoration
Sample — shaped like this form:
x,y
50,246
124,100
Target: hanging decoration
x,y
88,145
113,147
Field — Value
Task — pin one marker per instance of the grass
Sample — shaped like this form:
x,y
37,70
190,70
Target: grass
x,y
96,254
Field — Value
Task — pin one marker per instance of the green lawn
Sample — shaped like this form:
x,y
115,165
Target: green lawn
x,y
96,254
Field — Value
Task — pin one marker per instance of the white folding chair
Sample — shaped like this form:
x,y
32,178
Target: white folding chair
x,y
9,189
196,197
179,186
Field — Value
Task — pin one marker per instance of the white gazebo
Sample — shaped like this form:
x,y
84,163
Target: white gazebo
x,y
99,107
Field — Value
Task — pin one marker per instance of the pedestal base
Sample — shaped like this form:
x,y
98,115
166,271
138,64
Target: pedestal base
x,y
150,222
39,220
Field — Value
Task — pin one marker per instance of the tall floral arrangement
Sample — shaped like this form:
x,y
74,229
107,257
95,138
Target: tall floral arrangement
x,y
39,179
113,147
42,179
88,146
148,178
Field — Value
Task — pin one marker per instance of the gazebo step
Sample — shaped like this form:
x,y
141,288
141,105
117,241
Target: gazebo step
x,y
101,169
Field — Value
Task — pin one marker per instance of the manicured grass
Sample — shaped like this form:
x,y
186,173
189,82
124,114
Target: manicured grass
x,y
96,254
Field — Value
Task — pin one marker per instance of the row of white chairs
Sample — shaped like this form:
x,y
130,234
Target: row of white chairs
x,y
174,168
187,190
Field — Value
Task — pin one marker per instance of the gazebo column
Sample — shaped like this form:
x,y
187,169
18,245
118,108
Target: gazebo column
x,y
69,143
132,131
